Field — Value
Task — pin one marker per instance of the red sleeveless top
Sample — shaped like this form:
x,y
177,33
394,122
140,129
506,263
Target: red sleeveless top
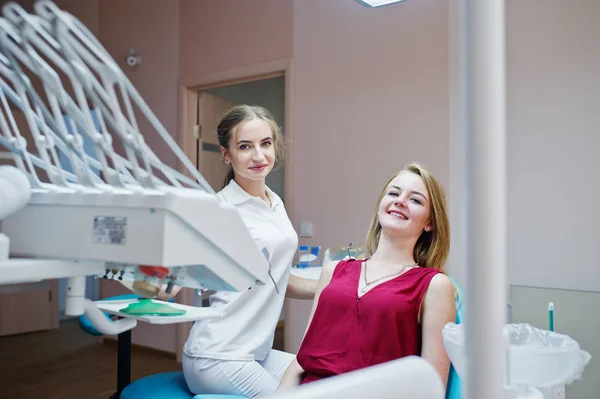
x,y
348,333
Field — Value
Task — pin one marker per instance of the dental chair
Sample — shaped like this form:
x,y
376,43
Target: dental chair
x,y
453,387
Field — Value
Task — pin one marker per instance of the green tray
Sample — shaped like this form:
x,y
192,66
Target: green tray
x,y
147,307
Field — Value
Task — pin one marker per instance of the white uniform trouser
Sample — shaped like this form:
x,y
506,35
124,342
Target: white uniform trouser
x,y
247,378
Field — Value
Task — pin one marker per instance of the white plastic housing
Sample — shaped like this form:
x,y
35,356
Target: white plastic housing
x,y
179,227
410,377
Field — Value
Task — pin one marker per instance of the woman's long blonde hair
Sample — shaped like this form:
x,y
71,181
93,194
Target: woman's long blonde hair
x,y
432,247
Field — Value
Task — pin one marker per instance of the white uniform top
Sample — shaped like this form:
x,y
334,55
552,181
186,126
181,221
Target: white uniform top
x,y
247,329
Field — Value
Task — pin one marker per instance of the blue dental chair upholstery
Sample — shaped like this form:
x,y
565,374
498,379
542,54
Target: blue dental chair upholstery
x,y
453,387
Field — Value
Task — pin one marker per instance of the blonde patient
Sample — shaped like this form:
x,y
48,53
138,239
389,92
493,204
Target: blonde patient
x,y
394,303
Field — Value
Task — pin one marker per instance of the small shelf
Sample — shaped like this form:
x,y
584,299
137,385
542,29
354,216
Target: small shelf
x,y
193,313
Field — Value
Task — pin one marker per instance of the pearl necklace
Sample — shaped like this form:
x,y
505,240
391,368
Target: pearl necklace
x,y
368,283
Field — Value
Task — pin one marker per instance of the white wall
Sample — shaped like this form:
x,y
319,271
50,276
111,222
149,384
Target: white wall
x,y
553,98
553,106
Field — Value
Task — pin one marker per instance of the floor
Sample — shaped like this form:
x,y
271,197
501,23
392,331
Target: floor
x,y
67,363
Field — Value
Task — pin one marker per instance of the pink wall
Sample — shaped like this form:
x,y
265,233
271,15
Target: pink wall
x,y
217,35
154,34
86,11
152,29
370,94
553,97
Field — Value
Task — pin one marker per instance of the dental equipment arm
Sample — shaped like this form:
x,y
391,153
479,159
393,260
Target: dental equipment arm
x,y
124,217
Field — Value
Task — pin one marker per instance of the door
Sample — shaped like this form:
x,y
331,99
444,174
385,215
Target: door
x,y
208,152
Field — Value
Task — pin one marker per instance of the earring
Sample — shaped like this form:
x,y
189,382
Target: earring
x,y
227,161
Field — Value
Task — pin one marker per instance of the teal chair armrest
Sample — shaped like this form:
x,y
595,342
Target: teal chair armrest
x,y
454,385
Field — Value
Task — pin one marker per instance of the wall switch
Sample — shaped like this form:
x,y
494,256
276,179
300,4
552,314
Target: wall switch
x,y
306,229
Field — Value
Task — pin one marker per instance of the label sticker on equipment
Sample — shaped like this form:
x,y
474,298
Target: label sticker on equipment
x,y
109,230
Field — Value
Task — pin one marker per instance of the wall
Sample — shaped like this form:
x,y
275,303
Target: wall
x,y
370,95
154,34
86,11
553,98
457,206
217,36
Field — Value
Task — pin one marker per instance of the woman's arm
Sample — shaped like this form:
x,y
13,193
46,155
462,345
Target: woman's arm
x,y
292,373
438,309
291,377
301,288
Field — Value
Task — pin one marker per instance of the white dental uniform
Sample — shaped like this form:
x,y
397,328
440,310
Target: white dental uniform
x,y
233,355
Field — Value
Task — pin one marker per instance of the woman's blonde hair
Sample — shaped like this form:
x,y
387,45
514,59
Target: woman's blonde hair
x,y
432,247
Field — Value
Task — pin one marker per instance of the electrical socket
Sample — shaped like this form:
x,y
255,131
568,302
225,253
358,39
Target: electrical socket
x,y
306,229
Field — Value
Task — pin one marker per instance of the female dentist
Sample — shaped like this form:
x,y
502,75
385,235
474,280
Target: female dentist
x,y
233,354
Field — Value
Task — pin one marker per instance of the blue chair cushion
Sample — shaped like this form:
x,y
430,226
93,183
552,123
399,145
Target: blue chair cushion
x,y
169,385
